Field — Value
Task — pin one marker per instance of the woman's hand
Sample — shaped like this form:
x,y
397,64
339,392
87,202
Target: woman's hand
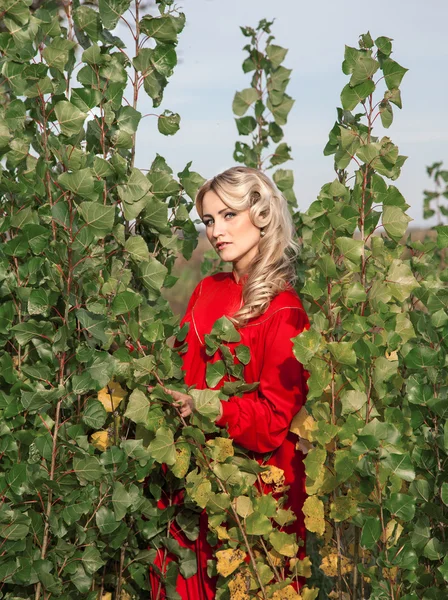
x,y
182,401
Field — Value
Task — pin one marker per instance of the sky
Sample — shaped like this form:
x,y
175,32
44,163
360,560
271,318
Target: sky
x,y
209,73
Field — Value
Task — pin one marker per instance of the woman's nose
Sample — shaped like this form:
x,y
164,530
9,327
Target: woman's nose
x,y
218,229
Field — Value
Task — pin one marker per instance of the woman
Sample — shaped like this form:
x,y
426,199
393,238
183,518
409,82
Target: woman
x,y
248,224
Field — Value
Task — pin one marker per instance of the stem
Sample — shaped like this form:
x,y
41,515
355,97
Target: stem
x,y
50,493
355,568
339,546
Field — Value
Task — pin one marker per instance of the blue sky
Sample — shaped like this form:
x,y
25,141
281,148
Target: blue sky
x,y
209,72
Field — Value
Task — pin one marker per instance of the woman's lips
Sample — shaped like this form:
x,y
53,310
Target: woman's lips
x,y
222,245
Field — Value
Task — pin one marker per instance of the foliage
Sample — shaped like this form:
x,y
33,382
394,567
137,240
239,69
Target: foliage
x,y
270,105
88,241
435,201
376,352
93,466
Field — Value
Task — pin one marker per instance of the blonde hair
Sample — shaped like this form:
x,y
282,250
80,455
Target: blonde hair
x,y
272,270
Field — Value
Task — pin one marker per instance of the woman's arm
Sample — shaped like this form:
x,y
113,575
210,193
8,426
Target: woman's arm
x,y
260,420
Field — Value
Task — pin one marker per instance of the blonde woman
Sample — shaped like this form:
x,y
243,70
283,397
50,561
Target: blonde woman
x,y
248,224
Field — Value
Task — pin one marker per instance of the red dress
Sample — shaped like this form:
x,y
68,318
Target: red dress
x,y
259,421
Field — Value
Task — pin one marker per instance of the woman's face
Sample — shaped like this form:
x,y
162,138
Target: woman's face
x,y
232,233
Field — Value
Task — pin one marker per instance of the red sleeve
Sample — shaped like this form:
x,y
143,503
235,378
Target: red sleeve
x,y
260,420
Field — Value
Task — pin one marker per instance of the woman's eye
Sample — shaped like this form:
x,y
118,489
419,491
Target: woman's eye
x,y
207,223
230,215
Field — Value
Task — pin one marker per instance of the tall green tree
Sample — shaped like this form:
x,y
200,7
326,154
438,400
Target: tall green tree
x,y
376,352
88,241
269,106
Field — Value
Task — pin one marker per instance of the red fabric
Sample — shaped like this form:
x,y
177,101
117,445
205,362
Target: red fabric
x,y
259,421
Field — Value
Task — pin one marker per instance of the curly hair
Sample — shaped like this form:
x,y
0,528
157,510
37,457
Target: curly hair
x,y
272,270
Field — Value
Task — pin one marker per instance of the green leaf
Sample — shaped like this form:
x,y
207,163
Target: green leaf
x,y
162,29
80,182
421,357
351,96
152,274
168,123
164,59
88,468
243,100
444,493
386,114
258,524
94,414
16,477
245,125
38,302
206,402
138,408
352,249
352,401
88,21
98,217
137,248
105,521
225,330
125,302
364,68
162,448
56,53
395,222
306,344
121,500
401,506
314,462
393,73
343,352
276,54
91,559
284,543
199,488
281,111
214,373
111,11
400,465
400,280
384,45
371,532
243,354
442,236
135,188
284,179
70,118
25,332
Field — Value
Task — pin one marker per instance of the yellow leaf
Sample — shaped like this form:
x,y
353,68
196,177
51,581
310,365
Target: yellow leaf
x,y
301,568
101,440
287,593
106,596
313,509
276,558
238,587
222,448
125,596
229,560
392,355
303,425
221,532
111,395
275,477
309,593
329,565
